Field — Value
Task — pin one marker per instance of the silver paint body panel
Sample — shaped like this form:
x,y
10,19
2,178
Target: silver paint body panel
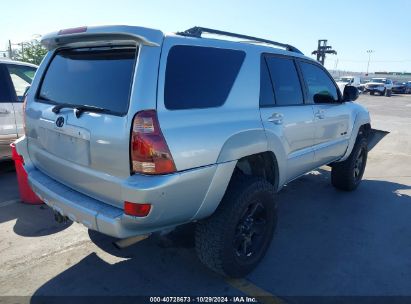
x,y
83,169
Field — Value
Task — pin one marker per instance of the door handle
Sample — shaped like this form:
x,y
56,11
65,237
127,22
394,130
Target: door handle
x,y
276,118
320,114
4,111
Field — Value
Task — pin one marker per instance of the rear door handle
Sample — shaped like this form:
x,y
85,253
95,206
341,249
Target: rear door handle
x,y
4,111
320,114
276,118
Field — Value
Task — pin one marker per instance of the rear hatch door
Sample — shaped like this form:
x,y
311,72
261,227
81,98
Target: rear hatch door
x,y
79,118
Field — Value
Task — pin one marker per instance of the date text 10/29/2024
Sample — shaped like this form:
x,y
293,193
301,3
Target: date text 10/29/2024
x,y
235,299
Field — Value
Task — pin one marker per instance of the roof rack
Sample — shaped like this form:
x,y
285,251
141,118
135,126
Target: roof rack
x,y
198,31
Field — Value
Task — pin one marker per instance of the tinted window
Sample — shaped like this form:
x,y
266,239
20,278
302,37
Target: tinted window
x,y
286,84
321,89
6,91
96,77
200,77
21,76
266,88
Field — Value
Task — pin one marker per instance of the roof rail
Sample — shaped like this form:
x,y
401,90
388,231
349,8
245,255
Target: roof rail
x,y
198,31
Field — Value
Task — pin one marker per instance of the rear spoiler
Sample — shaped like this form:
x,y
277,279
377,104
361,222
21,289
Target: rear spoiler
x,y
119,34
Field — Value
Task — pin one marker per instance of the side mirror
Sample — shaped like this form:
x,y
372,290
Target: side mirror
x,y
350,93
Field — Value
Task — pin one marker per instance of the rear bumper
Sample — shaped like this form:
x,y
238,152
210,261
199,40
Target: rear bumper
x,y
176,199
399,91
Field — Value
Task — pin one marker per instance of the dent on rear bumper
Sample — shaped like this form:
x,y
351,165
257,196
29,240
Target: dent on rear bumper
x,y
176,199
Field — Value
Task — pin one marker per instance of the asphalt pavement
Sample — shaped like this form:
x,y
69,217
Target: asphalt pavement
x,y
327,243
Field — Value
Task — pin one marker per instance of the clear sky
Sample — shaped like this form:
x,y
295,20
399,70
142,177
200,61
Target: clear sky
x,y
351,26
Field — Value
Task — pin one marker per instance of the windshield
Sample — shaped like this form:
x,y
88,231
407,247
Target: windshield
x,y
379,80
99,77
345,79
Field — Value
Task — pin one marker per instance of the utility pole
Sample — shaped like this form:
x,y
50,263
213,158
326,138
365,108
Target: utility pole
x,y
22,50
369,59
10,51
322,50
336,64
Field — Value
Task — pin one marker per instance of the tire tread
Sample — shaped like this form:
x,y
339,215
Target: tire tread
x,y
209,234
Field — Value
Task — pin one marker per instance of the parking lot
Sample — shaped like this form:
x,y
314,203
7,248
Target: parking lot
x,y
327,243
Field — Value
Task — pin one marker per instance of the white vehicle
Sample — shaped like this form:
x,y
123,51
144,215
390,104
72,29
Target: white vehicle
x,y
15,77
348,80
382,86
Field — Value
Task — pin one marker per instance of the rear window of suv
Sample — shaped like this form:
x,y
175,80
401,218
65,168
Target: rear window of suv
x,y
99,77
200,77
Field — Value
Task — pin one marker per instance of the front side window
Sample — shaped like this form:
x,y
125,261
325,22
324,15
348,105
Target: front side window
x,y
200,77
285,81
321,88
21,76
99,77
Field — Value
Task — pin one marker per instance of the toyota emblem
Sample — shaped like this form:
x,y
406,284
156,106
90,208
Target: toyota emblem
x,y
60,121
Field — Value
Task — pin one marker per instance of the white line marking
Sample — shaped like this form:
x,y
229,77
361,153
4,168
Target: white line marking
x,y
6,203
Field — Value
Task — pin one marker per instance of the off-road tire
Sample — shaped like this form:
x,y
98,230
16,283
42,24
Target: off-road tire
x,y
215,236
371,93
383,92
343,175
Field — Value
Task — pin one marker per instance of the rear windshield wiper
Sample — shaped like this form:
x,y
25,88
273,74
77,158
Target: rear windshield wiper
x,y
79,109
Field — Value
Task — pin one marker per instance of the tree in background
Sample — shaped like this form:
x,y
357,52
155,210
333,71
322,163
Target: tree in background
x,y
31,52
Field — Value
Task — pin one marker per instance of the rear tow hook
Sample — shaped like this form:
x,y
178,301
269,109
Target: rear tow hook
x,y
59,218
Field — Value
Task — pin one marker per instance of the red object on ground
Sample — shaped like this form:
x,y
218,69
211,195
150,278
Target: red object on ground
x,y
26,194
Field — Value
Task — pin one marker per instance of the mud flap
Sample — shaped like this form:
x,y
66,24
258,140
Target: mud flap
x,y
374,137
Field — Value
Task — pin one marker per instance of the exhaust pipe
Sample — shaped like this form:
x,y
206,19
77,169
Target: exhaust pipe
x,y
123,243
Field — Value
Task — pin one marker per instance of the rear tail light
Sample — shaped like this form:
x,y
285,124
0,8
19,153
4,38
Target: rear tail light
x,y
135,209
149,150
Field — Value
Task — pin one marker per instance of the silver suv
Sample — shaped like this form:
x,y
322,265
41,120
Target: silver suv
x,y
130,131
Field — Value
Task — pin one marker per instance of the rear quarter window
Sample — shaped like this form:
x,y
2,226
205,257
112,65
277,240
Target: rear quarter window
x,y
200,77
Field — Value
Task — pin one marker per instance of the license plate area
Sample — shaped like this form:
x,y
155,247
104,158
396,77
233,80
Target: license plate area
x,y
65,146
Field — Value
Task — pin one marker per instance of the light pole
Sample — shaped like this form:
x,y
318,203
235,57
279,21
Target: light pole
x,y
21,44
369,59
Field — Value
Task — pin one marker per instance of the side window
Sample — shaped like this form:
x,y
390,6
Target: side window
x,y
21,76
6,93
320,87
266,88
285,81
200,77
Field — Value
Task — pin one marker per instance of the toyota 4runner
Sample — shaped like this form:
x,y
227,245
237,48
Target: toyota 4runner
x,y
130,131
